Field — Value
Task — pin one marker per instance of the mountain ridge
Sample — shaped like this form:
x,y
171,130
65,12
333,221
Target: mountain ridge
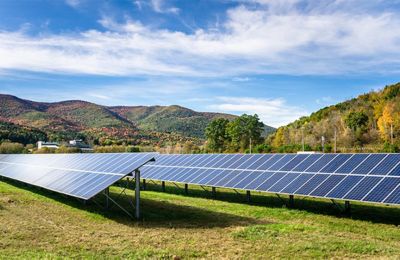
x,y
126,122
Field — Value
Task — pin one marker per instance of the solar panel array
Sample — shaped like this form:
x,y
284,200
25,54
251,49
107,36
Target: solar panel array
x,y
358,177
78,175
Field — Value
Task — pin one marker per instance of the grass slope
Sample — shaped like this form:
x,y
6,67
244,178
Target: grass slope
x,y
39,224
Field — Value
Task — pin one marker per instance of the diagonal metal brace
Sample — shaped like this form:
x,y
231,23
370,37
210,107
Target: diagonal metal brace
x,y
119,206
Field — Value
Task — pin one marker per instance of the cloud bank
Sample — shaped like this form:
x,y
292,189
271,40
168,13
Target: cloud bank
x,y
258,37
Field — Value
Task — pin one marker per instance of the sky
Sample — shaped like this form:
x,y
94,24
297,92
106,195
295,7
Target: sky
x,y
280,59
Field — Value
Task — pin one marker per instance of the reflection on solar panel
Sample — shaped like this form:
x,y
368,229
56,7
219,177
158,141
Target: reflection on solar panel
x,y
359,177
78,175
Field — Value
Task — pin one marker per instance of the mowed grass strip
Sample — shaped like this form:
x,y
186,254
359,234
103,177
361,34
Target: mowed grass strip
x,y
39,224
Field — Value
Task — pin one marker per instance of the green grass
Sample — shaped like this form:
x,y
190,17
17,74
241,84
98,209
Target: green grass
x,y
40,224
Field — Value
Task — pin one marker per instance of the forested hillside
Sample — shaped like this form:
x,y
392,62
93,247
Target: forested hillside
x,y
155,126
370,122
173,119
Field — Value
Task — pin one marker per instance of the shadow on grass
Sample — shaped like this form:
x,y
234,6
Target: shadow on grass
x,y
359,211
155,213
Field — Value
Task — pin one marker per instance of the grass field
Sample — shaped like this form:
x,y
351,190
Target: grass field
x,y
40,224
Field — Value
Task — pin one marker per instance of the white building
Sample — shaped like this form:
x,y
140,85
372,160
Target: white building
x,y
51,145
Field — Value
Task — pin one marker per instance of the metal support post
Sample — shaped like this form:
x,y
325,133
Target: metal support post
x,y
214,192
163,186
291,201
347,207
137,194
248,196
186,189
107,193
144,184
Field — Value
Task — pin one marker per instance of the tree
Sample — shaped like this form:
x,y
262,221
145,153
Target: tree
x,y
243,130
217,135
357,122
385,122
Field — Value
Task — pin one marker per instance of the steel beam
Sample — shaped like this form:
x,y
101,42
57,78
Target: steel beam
x,y
248,196
137,194
144,184
291,201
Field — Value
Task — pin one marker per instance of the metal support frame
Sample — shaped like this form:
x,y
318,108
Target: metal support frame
x,y
291,201
248,196
186,188
137,193
124,187
347,207
107,193
144,184
214,192
238,193
163,186
280,198
203,188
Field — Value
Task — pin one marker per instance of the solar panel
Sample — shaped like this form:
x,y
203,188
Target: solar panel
x,y
360,177
78,175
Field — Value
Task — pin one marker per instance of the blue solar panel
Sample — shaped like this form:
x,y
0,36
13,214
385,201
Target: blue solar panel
x,y
282,162
307,162
271,181
314,182
321,163
297,183
371,162
344,187
339,160
317,175
267,164
358,192
282,183
382,190
327,185
293,163
78,175
352,163
386,165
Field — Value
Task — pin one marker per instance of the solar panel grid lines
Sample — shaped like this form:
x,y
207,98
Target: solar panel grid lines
x,y
275,160
337,168
387,199
372,189
251,172
378,163
336,163
352,163
379,194
294,162
69,174
55,168
395,166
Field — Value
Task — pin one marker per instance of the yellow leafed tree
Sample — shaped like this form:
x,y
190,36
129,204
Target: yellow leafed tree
x,y
385,122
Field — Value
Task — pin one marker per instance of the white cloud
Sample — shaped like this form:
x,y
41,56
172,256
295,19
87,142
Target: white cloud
x,y
241,79
277,37
73,3
273,112
160,6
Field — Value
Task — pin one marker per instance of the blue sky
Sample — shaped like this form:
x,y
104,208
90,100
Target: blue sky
x,y
281,59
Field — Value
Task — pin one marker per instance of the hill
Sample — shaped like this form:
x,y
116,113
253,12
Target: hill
x,y
152,125
369,122
174,119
